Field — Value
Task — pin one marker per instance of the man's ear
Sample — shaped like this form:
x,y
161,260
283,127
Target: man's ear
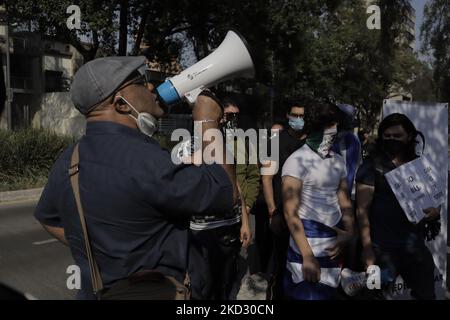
x,y
120,105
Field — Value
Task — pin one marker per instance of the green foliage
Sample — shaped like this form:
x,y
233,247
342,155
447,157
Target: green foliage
x,y
27,155
422,86
435,32
49,17
318,48
325,50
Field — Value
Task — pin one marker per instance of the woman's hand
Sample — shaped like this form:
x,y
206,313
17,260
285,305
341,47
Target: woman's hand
x,y
432,213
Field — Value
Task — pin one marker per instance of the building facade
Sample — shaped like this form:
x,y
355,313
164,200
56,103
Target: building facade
x,y
31,66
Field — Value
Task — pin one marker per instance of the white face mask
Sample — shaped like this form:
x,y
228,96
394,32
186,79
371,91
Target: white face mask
x,y
146,123
327,142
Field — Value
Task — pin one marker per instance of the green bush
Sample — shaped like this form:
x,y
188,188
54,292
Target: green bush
x,y
27,155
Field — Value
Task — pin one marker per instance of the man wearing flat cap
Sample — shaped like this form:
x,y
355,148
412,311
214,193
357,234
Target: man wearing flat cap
x,y
117,200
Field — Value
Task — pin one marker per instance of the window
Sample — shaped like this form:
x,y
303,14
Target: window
x,y
53,81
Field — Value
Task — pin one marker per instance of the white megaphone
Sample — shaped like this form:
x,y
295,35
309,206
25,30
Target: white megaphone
x,y
230,60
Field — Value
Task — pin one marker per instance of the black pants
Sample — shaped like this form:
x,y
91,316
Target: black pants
x,y
415,266
263,237
280,234
213,262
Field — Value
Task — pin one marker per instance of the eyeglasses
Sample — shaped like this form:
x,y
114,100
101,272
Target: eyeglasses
x,y
140,81
295,115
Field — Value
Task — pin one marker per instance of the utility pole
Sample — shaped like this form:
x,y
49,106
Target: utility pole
x,y
8,80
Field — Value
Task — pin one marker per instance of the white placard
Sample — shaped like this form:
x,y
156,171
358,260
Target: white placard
x,y
416,187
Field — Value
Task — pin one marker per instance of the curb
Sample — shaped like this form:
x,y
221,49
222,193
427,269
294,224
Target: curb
x,y
20,195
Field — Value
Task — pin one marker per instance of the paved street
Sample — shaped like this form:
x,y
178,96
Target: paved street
x,y
31,261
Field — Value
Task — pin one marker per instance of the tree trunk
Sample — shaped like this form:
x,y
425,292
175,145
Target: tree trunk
x,y
140,32
123,28
2,88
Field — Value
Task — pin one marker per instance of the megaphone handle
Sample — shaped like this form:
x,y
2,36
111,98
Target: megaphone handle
x,y
192,95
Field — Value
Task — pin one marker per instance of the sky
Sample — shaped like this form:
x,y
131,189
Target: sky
x,y
418,5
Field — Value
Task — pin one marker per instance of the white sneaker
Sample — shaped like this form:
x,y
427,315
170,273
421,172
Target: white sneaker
x,y
352,282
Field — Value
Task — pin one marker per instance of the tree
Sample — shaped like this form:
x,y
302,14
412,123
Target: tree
x,y
48,17
324,49
318,48
435,32
423,86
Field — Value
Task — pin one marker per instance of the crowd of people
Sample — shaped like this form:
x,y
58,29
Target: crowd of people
x,y
141,227
336,210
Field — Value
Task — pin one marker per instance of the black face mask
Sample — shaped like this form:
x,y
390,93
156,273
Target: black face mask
x,y
231,121
394,147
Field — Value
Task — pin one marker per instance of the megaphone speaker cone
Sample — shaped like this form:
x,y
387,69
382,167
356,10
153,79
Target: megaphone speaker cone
x,y
230,60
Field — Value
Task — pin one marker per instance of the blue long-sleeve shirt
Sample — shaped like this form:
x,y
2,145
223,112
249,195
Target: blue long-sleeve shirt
x,y
347,145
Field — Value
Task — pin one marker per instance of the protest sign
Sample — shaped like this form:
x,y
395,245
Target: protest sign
x,y
416,186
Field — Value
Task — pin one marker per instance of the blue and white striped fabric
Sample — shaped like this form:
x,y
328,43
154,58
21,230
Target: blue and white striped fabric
x,y
319,237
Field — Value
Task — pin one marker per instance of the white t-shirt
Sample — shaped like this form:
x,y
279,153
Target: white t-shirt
x,y
321,178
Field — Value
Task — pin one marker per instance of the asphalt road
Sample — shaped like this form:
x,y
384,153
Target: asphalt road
x,y
30,260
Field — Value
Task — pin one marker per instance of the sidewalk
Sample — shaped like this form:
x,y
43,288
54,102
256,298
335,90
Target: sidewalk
x,y
20,195
253,286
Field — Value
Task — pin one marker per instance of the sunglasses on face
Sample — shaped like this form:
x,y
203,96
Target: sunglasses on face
x,y
143,77
140,81
230,115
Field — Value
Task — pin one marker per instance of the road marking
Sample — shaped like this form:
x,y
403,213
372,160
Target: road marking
x,y
37,243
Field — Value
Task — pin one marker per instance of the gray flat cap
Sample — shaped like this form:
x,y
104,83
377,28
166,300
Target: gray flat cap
x,y
97,79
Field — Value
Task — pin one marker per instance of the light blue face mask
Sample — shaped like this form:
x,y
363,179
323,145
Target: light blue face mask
x,y
296,123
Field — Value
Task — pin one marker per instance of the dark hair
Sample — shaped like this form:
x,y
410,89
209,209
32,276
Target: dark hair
x,y
280,123
361,133
228,101
298,101
345,121
402,120
323,114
